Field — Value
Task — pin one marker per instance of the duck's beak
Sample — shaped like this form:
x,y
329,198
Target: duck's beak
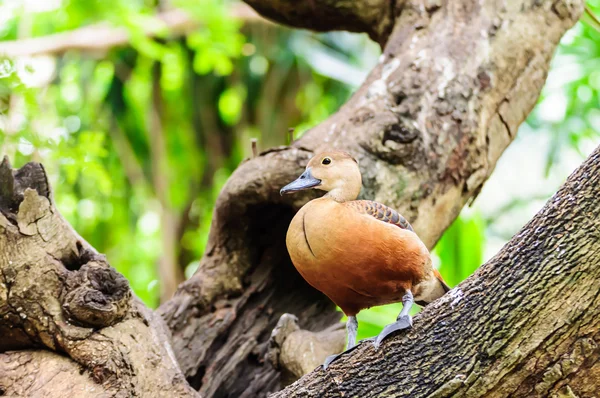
x,y
305,181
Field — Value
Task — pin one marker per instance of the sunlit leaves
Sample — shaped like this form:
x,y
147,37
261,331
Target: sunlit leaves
x,y
567,107
101,80
17,103
319,99
174,68
202,97
82,159
230,104
218,40
460,250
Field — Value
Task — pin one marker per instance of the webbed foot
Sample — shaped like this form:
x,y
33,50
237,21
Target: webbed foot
x,y
330,359
403,322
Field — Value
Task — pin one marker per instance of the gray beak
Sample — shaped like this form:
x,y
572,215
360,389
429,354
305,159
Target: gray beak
x,y
305,181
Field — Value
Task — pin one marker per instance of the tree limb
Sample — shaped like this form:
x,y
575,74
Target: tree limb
x,y
374,17
526,324
455,81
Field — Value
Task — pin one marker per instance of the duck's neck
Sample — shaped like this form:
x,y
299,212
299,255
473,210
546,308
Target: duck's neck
x,y
340,195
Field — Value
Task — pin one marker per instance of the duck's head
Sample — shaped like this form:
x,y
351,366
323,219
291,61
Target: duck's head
x,y
336,172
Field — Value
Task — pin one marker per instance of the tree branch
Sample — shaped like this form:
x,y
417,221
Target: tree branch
x,y
374,17
526,324
99,38
58,293
455,81
169,270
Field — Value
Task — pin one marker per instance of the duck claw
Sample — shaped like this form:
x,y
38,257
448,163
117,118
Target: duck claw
x,y
331,358
404,322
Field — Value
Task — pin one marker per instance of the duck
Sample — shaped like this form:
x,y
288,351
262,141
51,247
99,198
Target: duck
x,y
359,253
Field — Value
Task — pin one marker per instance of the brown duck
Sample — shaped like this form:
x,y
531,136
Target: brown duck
x,y
359,253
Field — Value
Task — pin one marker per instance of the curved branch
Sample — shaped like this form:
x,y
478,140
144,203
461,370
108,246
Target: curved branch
x,y
455,81
374,17
526,324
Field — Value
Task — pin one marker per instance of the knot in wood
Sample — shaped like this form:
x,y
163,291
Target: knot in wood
x,y
398,141
566,9
97,295
400,133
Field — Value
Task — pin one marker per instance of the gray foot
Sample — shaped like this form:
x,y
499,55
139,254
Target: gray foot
x,y
330,359
404,322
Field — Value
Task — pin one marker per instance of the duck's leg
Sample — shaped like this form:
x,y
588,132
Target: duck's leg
x,y
404,321
352,330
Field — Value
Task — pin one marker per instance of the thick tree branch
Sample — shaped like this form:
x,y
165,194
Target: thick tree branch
x,y
58,293
455,81
526,324
374,17
99,38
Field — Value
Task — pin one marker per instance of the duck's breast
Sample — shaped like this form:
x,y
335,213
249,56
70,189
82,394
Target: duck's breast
x,y
355,259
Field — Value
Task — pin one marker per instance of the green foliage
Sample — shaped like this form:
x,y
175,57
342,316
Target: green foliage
x,y
152,129
460,250
569,106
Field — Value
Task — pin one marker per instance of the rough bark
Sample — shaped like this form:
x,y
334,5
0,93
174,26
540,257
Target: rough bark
x,y
526,324
455,81
59,294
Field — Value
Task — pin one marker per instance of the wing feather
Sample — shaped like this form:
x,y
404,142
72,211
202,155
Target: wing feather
x,y
380,212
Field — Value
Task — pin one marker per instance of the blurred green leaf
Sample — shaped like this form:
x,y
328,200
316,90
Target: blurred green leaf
x,y
230,104
460,249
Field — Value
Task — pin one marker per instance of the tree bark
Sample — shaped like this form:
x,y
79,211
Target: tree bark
x,y
455,81
58,294
526,324
374,17
453,84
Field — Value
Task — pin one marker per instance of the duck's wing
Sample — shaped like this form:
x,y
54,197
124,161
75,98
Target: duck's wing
x,y
380,212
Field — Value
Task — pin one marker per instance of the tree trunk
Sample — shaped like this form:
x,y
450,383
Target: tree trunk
x,y
455,81
526,324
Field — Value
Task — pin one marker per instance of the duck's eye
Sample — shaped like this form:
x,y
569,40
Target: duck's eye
x,y
326,161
